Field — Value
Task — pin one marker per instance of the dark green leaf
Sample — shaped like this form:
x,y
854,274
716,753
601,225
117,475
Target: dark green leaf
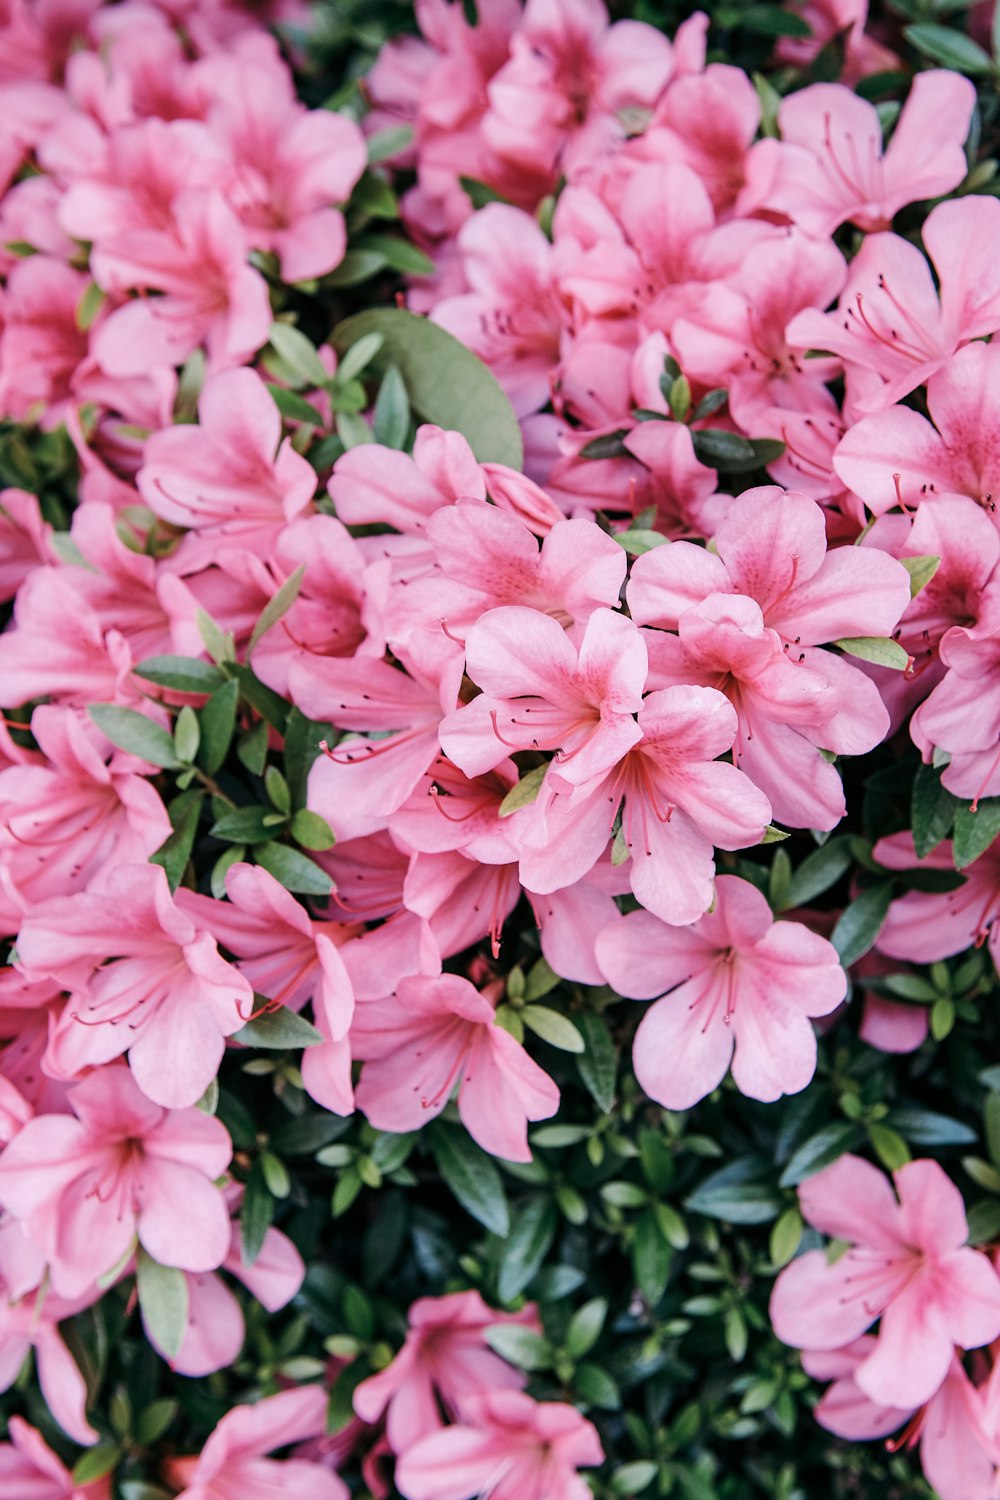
x,y
357,267
731,454
472,1177
244,825
818,872
528,1244
174,853
949,48
268,704
401,255
296,871
479,193
278,1030
598,1065
135,733
184,674
154,1422
295,407
597,1387
651,1258
738,1194
391,413
609,445
932,810
924,1127
218,721
308,1133
447,384
95,1463
819,1151
256,1214
860,923
975,831
302,741
520,1346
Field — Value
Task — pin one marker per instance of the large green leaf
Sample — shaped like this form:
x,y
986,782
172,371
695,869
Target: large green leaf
x,y
447,383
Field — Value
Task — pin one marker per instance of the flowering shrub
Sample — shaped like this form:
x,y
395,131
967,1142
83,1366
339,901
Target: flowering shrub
x,y
498,525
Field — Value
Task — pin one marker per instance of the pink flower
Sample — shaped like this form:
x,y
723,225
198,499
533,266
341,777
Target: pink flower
x,y
828,19
924,926
506,1446
738,980
432,1035
232,1465
29,1470
371,483
231,478
962,714
539,693
897,457
676,798
444,1360
892,327
59,648
42,346
24,540
29,1322
169,999
84,1187
830,166
707,119
906,1266
209,295
511,315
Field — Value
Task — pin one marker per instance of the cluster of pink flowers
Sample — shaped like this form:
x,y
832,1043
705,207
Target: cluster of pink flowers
x,y
519,711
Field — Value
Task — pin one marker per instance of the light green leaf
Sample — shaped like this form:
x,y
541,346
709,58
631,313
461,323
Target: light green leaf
x,y
278,1031
447,384
295,871
298,353
391,412
921,570
519,1346
163,1298
135,733
556,1029
358,357
278,606
638,540
879,650
523,793
184,674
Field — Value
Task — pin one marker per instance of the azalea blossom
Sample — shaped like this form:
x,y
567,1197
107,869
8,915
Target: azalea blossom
x,y
29,1468
736,980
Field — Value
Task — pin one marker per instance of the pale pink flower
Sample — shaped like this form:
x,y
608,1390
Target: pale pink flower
x,y
540,693
435,1034
169,999
830,166
29,1470
85,1185
232,1464
208,294
828,19
506,1446
893,328
897,457
231,477
924,926
684,491
59,648
677,800
444,1359
737,979
24,540
906,1266
29,1322
962,714
371,483
42,346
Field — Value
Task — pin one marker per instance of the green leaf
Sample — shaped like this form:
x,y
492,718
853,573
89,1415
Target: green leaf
x,y
135,733
991,1122
279,1184
942,1018
401,255
244,825
818,872
218,644
294,870
295,407
880,650
826,1146
256,1214
585,1327
89,306
932,810
860,923
921,570
163,1298
302,742
175,851
598,1065
353,430
925,1127
949,48
278,606
608,445
154,1422
597,1388
270,705
556,1029
479,193
446,382
638,541
391,413
523,793
185,674
633,1478
187,735
311,831
773,20
651,1258
526,1247
889,1146
304,1134
739,1193
975,831
785,1237
519,1346
356,267
229,857
278,1031
358,357
729,453
218,721
298,353
389,142
95,1463
472,1177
